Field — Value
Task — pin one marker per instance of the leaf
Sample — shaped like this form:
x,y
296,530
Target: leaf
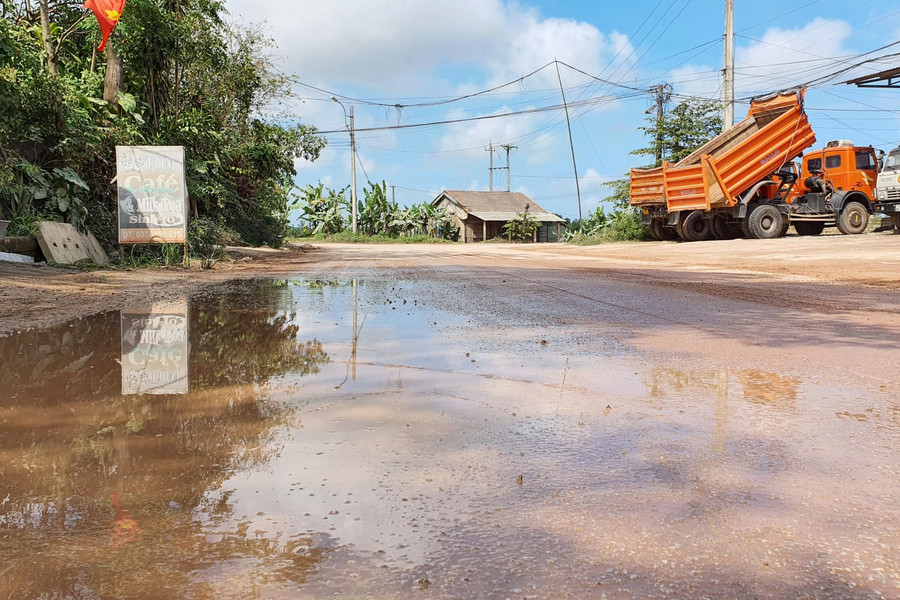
x,y
127,102
72,177
64,202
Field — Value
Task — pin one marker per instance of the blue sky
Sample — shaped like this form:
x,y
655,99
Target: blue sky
x,y
415,52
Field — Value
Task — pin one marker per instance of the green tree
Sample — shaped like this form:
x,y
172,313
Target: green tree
x,y
688,126
188,77
523,227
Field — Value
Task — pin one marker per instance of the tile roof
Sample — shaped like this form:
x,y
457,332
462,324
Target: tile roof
x,y
491,202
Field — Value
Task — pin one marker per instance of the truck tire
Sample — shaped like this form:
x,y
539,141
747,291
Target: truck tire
x,y
655,227
809,228
720,228
853,219
669,233
696,228
785,227
765,222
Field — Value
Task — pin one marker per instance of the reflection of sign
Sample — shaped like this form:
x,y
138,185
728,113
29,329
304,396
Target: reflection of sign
x,y
152,194
155,350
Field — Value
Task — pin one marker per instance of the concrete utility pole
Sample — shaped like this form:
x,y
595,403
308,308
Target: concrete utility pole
x,y
571,144
490,149
354,205
728,73
508,147
662,94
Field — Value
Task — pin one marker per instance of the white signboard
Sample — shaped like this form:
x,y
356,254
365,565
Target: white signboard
x,y
155,349
153,200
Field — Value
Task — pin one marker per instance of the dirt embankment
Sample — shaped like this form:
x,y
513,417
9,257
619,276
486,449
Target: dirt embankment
x,y
790,270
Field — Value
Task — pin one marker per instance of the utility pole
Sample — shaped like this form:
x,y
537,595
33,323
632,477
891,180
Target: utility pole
x,y
490,149
508,147
662,95
571,145
353,169
394,194
354,207
728,73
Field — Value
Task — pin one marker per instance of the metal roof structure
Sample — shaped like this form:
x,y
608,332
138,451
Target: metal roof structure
x,y
543,217
884,79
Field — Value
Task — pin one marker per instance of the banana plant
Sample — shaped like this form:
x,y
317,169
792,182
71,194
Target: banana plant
x,y
323,208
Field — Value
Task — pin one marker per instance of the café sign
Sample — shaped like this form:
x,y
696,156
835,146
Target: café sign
x,y
152,194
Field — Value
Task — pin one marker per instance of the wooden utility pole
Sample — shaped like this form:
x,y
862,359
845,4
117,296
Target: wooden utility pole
x,y
508,147
571,144
728,73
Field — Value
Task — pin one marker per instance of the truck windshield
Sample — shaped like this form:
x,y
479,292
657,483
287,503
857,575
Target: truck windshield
x,y
892,161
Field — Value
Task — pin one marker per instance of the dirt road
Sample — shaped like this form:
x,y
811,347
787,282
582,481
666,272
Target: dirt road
x,y
830,272
651,420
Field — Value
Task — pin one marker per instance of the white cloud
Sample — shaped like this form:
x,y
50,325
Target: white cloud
x,y
399,45
781,59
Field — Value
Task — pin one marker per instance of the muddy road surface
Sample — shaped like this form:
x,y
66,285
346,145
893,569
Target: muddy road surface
x,y
458,422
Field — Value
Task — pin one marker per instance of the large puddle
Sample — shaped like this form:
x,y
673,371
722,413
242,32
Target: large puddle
x,y
306,439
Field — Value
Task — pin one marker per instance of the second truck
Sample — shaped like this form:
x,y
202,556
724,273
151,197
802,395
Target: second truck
x,y
745,182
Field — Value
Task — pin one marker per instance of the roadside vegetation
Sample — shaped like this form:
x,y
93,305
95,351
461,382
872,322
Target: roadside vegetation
x,y
175,74
326,216
679,132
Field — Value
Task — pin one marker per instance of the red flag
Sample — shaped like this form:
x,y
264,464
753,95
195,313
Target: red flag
x,y
108,13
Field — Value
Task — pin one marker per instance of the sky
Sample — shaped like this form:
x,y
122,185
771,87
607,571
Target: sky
x,y
420,54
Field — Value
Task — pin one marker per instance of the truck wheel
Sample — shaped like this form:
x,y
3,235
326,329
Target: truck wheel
x,y
681,233
785,227
854,219
720,228
669,233
654,230
765,222
696,228
809,228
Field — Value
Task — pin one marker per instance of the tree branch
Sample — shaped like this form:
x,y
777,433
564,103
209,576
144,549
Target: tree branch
x,y
68,31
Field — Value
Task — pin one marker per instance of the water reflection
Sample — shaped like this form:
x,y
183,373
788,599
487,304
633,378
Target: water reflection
x,y
427,456
103,465
155,350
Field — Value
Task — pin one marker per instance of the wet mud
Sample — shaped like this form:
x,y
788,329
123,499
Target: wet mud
x,y
406,437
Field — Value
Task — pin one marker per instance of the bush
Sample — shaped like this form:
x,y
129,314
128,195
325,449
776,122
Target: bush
x,y
623,225
205,240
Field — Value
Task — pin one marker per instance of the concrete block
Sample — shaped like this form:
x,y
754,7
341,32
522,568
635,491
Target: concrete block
x,y
20,245
61,243
98,254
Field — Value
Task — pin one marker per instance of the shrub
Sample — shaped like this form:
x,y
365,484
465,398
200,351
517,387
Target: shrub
x,y
205,239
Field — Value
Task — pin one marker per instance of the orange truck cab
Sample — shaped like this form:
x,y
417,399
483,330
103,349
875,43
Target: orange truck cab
x,y
836,188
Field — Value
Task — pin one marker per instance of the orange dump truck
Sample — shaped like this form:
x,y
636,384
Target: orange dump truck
x,y
744,182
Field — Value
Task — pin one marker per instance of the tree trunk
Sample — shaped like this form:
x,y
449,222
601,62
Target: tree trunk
x,y
52,57
114,81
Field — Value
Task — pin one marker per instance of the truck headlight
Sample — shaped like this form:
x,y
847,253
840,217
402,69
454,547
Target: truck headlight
x,y
882,195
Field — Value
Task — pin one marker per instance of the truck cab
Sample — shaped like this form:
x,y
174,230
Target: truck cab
x,y
888,188
836,188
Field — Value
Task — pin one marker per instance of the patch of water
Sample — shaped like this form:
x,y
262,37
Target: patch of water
x,y
278,439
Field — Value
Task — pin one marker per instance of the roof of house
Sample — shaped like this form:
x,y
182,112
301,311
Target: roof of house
x,y
498,206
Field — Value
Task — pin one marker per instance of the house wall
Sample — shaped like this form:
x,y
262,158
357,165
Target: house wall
x,y
455,217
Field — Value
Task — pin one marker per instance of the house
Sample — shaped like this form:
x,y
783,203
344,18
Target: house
x,y
481,215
